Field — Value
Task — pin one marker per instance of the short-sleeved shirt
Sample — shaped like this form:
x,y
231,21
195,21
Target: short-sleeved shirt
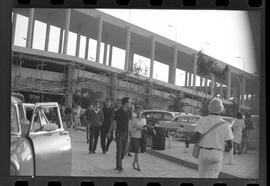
x,y
216,137
122,120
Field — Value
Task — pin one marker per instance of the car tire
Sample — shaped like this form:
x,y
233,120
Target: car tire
x,y
13,170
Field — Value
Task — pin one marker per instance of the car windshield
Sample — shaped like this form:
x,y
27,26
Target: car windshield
x,y
188,119
14,128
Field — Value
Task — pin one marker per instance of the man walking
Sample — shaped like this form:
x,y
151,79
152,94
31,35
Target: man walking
x,y
68,114
96,118
108,112
121,122
87,122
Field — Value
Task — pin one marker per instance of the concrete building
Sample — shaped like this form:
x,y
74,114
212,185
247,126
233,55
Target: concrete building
x,y
64,69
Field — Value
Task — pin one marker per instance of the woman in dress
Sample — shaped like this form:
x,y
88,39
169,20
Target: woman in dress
x,y
137,125
237,127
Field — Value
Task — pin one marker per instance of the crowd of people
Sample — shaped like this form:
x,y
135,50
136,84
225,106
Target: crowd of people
x,y
213,135
105,120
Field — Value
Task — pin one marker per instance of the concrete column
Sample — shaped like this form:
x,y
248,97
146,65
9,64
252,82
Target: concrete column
x,y
47,37
189,79
110,55
114,88
186,78
100,22
206,86
243,89
67,25
128,38
30,28
60,41
229,77
105,53
195,57
78,45
149,99
173,67
14,21
201,84
152,56
213,85
71,85
86,48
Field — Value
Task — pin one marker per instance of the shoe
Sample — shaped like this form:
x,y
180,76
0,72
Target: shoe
x,y
89,152
138,169
104,152
94,152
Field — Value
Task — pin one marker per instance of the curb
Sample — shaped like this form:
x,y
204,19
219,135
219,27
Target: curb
x,y
185,163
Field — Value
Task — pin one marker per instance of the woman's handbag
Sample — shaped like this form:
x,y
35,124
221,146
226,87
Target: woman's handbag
x,y
196,148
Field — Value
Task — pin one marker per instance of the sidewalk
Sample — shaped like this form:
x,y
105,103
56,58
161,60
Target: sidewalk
x,y
245,165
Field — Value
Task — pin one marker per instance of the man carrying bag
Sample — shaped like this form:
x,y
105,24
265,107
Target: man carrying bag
x,y
211,133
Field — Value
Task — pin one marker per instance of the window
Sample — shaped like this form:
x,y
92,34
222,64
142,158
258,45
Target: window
x,y
72,43
167,116
180,77
51,115
14,125
21,31
157,116
36,126
143,63
148,115
82,46
39,36
54,39
92,49
161,71
118,58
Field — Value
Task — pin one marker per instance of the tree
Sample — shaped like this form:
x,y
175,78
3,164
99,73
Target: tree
x,y
178,102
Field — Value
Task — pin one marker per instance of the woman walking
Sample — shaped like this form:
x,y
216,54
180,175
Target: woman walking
x,y
237,127
137,125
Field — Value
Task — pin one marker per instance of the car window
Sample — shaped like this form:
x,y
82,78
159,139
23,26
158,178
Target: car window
x,y
182,119
167,116
36,126
51,115
14,124
157,116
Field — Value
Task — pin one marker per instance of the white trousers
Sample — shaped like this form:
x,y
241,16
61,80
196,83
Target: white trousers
x,y
210,162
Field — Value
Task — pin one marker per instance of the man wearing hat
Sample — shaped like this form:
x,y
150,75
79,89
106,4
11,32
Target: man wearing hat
x,y
217,133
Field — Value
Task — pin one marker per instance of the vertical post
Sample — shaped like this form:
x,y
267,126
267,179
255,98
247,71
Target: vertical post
x,y
110,55
60,41
128,37
173,67
243,90
186,78
206,86
153,42
86,48
47,37
105,53
67,25
14,26
78,45
100,22
30,28
229,77
195,57
189,79
213,83
114,88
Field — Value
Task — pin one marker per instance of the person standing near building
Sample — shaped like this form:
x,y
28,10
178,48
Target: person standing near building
x,y
68,114
96,118
246,132
76,117
108,112
212,144
237,127
137,125
87,122
121,122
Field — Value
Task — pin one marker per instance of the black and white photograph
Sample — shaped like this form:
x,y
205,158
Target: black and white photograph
x,y
135,93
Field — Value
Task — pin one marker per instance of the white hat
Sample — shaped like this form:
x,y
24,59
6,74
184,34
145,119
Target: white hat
x,y
215,106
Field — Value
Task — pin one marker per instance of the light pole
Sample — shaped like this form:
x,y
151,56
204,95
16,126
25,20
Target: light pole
x,y
244,65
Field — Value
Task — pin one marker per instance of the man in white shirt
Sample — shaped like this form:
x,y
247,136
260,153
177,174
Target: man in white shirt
x,y
213,143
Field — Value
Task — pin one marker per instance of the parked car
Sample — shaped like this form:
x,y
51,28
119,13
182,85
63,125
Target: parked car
x,y
40,146
155,116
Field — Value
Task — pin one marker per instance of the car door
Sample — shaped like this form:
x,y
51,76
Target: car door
x,y
52,145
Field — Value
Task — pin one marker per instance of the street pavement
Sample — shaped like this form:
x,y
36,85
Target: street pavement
x,y
103,165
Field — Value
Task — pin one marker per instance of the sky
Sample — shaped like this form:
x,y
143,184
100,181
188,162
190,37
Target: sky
x,y
224,35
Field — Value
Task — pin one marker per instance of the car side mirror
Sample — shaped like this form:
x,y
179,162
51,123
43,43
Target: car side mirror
x,y
25,126
49,127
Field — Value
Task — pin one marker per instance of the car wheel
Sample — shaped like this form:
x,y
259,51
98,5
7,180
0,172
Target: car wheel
x,y
13,171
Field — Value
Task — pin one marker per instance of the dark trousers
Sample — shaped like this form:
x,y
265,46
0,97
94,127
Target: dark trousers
x,y
105,142
87,133
69,120
121,141
94,133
